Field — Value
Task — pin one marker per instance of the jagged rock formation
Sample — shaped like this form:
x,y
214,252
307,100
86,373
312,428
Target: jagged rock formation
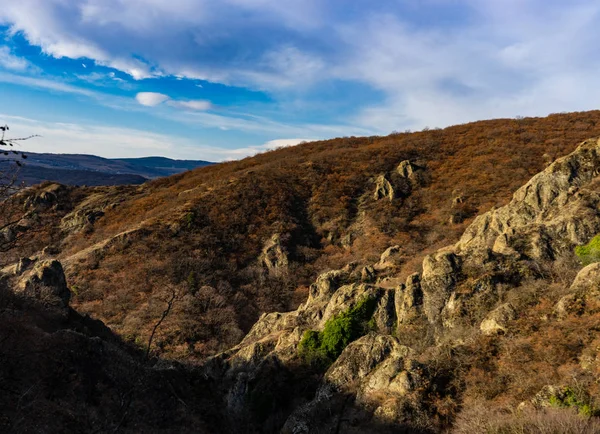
x,y
389,258
497,320
409,300
584,292
274,256
399,183
383,189
556,210
40,279
410,171
48,196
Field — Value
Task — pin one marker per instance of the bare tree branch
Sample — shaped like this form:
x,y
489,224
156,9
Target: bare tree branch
x,y
10,231
165,313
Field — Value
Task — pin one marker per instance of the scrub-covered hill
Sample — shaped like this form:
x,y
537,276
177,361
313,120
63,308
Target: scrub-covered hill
x,y
237,239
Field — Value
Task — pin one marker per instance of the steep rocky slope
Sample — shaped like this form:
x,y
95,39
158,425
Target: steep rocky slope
x,y
242,238
479,287
496,331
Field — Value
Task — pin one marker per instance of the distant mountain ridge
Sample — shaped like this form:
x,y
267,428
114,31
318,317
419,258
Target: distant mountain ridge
x,y
82,169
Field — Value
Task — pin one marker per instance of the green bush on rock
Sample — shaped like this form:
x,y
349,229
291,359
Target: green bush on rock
x,y
590,252
321,349
571,398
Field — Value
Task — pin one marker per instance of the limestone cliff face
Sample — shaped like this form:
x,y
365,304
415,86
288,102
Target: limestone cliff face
x,y
556,210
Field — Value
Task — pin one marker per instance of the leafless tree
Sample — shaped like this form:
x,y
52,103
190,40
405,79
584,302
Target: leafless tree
x,y
170,301
10,165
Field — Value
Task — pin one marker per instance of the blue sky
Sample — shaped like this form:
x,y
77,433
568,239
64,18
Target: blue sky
x,y
220,80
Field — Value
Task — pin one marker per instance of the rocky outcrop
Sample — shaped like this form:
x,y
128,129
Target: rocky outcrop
x,y
383,189
409,300
497,320
87,213
551,214
389,259
584,293
410,171
376,369
326,284
440,275
45,197
555,210
274,255
406,169
398,183
363,358
45,282
272,344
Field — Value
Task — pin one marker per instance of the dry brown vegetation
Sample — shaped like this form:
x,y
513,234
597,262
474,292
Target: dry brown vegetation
x,y
202,232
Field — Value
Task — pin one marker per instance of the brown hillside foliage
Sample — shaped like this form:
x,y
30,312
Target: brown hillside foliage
x,y
202,232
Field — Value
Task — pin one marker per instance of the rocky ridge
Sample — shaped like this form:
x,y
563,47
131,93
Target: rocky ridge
x,y
555,211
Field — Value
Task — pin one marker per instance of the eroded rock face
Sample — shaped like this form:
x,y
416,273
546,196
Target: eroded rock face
x,y
584,292
274,256
379,371
385,315
389,258
327,283
88,212
410,171
555,210
409,300
383,189
47,197
363,357
347,297
551,214
440,274
406,169
497,320
588,279
272,344
47,283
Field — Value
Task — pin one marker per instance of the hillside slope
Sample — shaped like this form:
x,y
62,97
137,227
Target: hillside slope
x,y
497,332
237,239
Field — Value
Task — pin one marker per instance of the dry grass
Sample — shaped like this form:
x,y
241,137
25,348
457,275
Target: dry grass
x,y
484,420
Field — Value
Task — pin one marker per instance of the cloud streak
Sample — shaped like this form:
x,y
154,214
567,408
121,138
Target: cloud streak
x,y
12,62
409,64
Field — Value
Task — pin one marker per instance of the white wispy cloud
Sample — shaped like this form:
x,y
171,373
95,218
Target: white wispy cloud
x,y
192,104
12,62
151,99
45,83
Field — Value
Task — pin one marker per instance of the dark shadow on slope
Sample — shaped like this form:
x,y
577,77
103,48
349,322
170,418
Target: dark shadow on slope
x,y
61,372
